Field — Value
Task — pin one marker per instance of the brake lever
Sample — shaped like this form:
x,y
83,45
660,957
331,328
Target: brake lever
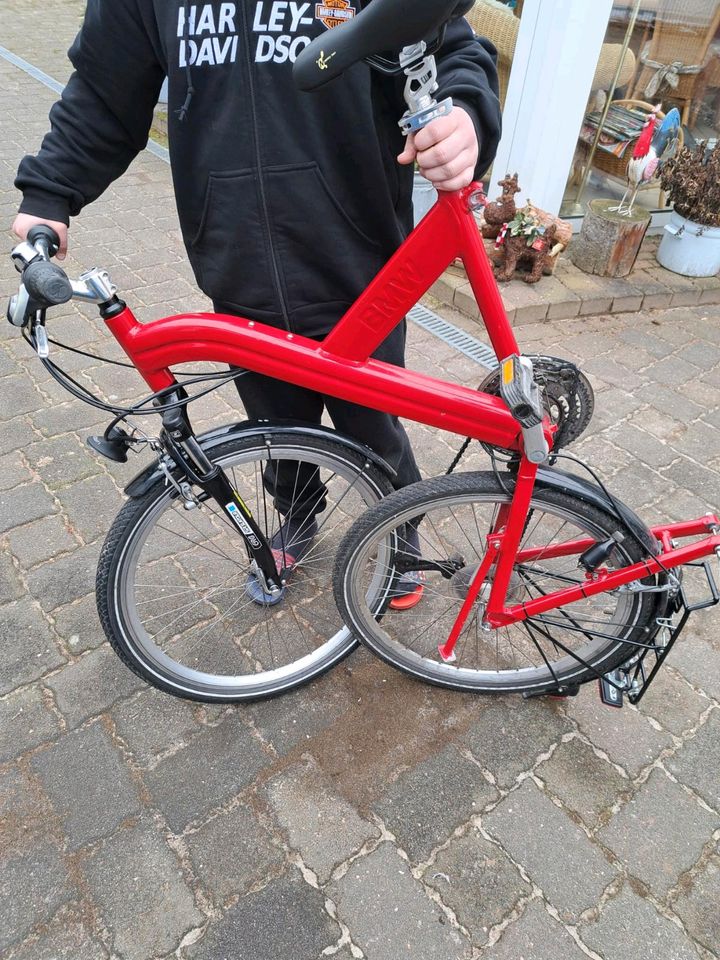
x,y
42,345
19,308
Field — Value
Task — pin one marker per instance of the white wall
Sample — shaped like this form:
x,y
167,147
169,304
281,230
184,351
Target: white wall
x,y
555,60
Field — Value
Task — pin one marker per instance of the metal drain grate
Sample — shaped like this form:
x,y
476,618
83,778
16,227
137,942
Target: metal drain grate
x,y
32,71
452,335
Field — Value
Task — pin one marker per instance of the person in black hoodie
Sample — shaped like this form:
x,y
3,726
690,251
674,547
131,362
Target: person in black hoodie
x,y
289,202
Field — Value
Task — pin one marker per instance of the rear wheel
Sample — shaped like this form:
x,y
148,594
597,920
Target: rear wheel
x,y
174,588
453,516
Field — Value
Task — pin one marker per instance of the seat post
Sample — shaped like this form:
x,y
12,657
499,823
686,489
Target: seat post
x,y
421,84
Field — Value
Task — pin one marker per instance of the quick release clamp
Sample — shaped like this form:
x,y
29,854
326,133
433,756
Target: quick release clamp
x,y
421,72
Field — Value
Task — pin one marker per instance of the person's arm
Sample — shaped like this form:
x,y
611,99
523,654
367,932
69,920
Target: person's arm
x,y
467,72
454,150
104,116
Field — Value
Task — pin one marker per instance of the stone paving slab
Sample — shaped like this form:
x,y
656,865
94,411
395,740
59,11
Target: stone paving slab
x,y
133,825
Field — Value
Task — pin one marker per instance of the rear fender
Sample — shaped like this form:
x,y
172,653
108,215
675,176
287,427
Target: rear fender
x,y
560,480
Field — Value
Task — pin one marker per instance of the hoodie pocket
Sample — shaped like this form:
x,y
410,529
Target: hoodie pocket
x,y
324,255
230,250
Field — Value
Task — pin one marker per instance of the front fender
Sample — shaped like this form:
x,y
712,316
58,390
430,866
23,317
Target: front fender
x,y
213,439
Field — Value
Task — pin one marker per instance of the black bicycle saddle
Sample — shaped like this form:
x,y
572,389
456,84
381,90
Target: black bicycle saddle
x,y
384,25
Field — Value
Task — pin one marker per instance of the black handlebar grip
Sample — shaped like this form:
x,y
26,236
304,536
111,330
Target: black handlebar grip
x,y
47,284
43,232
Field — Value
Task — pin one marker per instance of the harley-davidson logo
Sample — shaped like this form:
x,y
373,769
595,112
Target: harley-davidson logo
x,y
334,12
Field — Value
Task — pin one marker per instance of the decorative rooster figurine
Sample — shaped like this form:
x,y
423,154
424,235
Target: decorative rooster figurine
x,y
655,146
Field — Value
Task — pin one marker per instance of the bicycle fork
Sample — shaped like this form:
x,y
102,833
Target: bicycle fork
x,y
179,442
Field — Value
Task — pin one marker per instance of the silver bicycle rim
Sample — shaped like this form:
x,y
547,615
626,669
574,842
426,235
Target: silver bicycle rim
x,y
393,636
255,635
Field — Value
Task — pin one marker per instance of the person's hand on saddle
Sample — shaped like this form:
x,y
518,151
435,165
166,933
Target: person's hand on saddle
x,y
446,151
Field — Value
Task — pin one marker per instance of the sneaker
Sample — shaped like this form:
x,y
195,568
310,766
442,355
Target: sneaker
x,y
289,545
408,590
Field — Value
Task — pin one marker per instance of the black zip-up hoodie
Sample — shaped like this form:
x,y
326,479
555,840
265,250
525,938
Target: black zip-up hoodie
x,y
289,202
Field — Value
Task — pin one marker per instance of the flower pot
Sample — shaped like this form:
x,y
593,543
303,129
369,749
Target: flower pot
x,y
424,197
690,248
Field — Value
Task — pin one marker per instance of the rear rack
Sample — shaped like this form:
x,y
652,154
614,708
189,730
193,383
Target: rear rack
x,y
639,673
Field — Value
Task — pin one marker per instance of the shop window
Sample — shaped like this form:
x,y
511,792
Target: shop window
x,y
657,53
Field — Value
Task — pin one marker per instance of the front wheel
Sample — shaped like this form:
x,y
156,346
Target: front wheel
x,y
450,519
175,592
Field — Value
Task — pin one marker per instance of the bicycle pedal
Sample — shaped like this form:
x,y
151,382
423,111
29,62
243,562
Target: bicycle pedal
x,y
610,693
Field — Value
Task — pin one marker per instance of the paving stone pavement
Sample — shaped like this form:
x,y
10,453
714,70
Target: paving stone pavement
x,y
365,815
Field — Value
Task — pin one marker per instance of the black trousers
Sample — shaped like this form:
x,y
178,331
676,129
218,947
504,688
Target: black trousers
x,y
297,488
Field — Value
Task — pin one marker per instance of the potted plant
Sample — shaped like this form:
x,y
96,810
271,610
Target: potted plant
x,y
691,242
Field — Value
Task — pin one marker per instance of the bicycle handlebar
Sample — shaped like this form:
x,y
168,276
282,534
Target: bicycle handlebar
x,y
47,284
45,239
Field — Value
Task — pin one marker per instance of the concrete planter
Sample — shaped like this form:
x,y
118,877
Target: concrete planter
x,y
690,248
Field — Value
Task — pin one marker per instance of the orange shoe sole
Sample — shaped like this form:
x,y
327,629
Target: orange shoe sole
x,y
409,600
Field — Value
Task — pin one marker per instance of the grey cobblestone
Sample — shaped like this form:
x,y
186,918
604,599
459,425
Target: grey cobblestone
x,y
24,504
153,723
652,814
25,722
11,587
91,506
629,926
323,827
138,885
699,661
27,649
478,882
32,887
390,914
66,937
43,540
87,783
626,736
697,905
91,685
533,936
78,625
697,763
285,919
13,471
66,579
532,829
581,780
233,852
217,764
426,804
60,461
672,703
509,736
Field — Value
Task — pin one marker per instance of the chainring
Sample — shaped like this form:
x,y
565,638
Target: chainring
x,y
566,393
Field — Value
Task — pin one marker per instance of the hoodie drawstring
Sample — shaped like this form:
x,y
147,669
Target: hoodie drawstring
x,y
190,92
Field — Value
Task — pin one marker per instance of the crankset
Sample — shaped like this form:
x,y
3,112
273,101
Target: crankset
x,y
566,394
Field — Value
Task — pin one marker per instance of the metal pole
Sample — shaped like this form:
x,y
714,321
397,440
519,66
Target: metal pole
x,y
603,118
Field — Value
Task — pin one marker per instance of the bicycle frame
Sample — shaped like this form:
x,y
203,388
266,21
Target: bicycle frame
x,y
341,366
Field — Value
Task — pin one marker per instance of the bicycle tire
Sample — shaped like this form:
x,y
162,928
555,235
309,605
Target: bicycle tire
x,y
170,626
365,580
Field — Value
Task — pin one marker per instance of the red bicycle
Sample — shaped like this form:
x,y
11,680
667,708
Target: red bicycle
x,y
214,581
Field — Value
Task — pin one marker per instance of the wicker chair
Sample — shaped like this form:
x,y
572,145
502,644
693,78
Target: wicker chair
x,y
683,32
494,20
